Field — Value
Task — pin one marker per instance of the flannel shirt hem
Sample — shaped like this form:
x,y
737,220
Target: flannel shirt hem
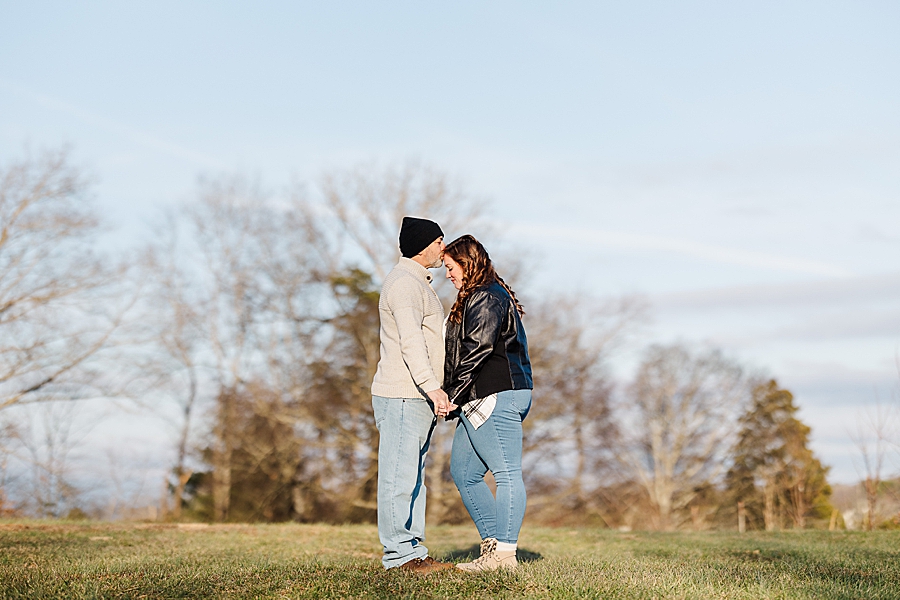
x,y
478,411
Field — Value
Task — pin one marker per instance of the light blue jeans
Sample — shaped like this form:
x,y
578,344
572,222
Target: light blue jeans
x,y
404,427
496,446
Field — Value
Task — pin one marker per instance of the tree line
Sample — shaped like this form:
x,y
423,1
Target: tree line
x,y
256,315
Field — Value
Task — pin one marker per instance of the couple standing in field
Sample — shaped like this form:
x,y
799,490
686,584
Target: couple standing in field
x,y
475,367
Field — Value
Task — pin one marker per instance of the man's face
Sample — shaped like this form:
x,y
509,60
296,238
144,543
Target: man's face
x,y
431,255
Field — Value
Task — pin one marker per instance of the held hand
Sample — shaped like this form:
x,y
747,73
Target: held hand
x,y
441,402
450,408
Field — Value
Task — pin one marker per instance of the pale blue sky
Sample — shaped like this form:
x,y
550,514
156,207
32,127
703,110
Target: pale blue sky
x,y
737,163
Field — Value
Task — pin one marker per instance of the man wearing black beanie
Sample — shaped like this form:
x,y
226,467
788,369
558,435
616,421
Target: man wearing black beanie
x,y
407,394
417,234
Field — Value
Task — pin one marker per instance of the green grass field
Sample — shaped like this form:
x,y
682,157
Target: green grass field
x,y
72,560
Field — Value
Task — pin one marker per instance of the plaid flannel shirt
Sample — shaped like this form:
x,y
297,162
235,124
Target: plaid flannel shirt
x,y
478,411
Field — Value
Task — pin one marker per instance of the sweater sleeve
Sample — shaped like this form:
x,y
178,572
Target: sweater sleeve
x,y
407,305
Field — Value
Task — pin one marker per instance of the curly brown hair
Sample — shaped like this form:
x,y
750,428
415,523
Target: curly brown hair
x,y
478,271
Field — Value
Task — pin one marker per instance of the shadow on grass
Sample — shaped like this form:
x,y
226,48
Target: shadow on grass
x,y
467,554
762,555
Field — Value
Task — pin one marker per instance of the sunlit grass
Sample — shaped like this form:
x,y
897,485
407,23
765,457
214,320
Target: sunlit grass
x,y
68,560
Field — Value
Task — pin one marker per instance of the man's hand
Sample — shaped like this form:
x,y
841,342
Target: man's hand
x,y
441,402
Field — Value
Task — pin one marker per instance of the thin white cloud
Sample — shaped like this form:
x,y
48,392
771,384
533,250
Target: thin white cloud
x,y
128,132
841,292
846,326
835,380
636,242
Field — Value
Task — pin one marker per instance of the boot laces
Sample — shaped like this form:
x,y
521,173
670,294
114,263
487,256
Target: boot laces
x,y
488,545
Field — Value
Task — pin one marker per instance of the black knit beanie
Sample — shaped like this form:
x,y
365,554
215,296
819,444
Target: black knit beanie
x,y
417,234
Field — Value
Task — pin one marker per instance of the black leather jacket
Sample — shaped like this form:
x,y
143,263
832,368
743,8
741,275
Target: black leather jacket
x,y
487,352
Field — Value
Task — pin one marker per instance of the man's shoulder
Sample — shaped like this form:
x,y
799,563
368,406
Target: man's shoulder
x,y
399,276
401,283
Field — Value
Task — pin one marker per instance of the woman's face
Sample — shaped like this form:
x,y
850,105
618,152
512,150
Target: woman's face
x,y
454,271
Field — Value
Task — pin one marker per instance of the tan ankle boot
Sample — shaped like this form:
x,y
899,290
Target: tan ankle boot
x,y
490,558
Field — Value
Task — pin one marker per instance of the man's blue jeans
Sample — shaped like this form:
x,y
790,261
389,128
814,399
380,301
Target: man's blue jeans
x,y
496,446
404,427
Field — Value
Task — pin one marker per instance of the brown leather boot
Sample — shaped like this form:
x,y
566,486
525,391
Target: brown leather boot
x,y
425,565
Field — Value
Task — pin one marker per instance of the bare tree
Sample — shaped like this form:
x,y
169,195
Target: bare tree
x,y
125,495
571,433
230,225
682,413
872,437
55,292
240,303
170,363
9,435
49,434
367,203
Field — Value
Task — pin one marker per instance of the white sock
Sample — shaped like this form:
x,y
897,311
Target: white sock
x,y
504,547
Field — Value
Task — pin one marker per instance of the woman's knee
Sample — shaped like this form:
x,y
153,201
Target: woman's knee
x,y
457,473
460,467
507,475
466,477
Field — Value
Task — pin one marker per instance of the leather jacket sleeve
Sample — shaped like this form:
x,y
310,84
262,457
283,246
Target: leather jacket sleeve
x,y
482,321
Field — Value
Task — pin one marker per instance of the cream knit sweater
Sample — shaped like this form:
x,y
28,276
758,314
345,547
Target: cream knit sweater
x,y
412,342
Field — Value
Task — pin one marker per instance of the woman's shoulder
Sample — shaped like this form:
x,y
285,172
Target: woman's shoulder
x,y
495,289
489,293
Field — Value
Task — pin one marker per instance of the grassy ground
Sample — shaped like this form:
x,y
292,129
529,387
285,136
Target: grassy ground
x,y
69,560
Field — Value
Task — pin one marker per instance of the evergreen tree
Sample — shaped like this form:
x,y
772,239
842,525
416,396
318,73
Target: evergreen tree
x,y
774,472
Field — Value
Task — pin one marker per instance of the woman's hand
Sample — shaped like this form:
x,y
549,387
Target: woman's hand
x,y
450,408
